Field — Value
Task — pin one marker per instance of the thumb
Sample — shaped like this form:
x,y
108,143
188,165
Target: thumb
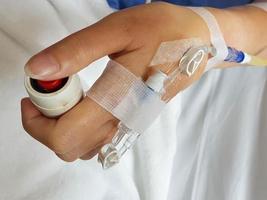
x,y
76,51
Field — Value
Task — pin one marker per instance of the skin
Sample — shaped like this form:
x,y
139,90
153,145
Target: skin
x,y
124,36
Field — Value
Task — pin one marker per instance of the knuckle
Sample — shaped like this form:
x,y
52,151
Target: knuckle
x,y
67,157
26,124
60,142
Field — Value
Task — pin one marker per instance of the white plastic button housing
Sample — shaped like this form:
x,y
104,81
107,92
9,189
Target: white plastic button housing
x,y
56,103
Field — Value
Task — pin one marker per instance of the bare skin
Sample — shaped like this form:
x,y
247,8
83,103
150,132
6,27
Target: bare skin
x,y
124,36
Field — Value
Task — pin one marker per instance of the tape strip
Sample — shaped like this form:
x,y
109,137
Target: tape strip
x,y
216,37
126,97
260,5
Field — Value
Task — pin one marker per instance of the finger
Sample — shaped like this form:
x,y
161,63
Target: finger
x,y
28,110
70,130
38,126
80,124
76,51
105,134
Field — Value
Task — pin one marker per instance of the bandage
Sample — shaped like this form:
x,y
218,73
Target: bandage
x,y
126,97
169,53
216,37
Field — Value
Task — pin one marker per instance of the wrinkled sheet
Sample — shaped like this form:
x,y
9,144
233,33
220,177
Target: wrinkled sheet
x,y
209,143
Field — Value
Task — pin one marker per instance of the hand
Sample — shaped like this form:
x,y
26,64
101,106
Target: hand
x,y
130,37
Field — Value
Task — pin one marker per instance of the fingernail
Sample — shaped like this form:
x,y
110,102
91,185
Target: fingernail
x,y
41,65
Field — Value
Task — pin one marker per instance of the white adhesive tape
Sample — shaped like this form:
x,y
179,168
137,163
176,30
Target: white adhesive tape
x,y
260,5
216,37
126,97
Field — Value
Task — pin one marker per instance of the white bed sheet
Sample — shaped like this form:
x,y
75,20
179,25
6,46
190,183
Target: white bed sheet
x,y
209,143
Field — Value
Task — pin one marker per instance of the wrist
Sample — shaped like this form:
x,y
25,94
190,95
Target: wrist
x,y
242,27
231,26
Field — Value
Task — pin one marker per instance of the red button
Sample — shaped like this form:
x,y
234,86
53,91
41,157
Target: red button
x,y
50,86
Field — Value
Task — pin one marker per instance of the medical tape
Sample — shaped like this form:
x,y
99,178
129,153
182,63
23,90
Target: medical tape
x,y
216,37
260,5
126,97
169,53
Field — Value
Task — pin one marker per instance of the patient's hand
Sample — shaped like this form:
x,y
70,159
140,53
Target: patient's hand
x,y
131,37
